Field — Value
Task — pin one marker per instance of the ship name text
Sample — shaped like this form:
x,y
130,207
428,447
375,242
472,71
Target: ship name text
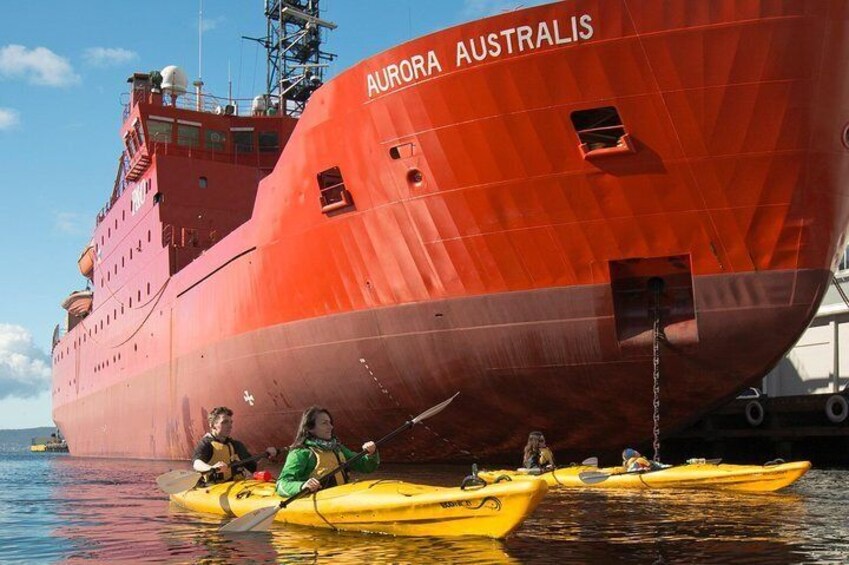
x,y
138,196
519,39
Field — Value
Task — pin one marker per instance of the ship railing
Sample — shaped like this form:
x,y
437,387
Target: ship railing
x,y
208,103
177,236
117,188
265,158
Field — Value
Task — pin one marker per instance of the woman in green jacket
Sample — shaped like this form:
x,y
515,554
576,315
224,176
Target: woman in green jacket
x,y
316,451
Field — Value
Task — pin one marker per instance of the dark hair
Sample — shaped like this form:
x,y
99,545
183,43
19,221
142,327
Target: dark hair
x,y
307,423
216,412
532,447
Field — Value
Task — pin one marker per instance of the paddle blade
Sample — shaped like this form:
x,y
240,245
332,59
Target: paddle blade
x,y
433,411
593,477
590,462
177,481
258,520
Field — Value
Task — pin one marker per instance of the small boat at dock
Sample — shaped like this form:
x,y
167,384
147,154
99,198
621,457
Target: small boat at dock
x,y
52,444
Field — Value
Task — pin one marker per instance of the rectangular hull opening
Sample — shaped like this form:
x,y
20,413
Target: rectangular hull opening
x,y
632,283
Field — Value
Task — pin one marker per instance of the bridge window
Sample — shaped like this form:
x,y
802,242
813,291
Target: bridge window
x,y
215,140
131,150
160,131
139,132
243,140
268,141
188,135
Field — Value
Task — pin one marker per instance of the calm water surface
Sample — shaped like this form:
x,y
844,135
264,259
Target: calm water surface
x,y
56,508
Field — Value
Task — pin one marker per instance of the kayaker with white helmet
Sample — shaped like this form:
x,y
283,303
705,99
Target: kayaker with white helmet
x,y
316,451
632,461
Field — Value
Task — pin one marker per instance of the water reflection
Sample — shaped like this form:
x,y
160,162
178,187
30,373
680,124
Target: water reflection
x,y
293,544
665,527
75,510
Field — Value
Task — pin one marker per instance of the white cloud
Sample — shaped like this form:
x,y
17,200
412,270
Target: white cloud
x,y
71,223
37,66
24,368
108,56
210,24
481,8
8,118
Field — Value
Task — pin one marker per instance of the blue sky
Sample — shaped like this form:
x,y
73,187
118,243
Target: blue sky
x,y
63,67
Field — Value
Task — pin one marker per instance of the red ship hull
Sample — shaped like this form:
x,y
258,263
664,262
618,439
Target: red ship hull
x,y
487,252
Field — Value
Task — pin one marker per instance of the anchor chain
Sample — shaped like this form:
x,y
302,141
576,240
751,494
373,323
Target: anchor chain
x,y
658,288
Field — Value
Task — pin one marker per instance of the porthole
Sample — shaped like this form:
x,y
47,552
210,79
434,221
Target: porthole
x,y
415,177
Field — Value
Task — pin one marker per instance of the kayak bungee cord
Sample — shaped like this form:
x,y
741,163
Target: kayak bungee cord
x,y
261,518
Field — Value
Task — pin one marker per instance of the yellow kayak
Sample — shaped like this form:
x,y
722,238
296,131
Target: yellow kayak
x,y
565,477
382,506
745,478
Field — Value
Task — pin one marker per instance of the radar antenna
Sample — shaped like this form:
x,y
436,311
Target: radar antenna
x,y
295,61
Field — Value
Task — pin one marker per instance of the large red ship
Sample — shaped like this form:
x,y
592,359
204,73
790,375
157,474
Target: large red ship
x,y
491,209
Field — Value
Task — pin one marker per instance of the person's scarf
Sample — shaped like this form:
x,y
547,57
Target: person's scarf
x,y
325,444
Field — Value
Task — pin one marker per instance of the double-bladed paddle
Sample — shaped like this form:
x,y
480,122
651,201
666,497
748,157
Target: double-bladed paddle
x,y
595,477
261,518
173,482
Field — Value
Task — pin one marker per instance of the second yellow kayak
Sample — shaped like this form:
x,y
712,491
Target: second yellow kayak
x,y
383,506
745,478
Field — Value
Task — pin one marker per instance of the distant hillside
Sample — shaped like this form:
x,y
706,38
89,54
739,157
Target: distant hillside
x,y
15,440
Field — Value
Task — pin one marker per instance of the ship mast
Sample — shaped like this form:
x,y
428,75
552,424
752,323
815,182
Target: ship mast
x,y
295,61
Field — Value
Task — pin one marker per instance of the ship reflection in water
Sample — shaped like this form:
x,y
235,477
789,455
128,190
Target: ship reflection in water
x,y
60,508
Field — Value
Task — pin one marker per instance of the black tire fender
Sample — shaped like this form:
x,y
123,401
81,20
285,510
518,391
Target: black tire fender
x,y
755,413
836,408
